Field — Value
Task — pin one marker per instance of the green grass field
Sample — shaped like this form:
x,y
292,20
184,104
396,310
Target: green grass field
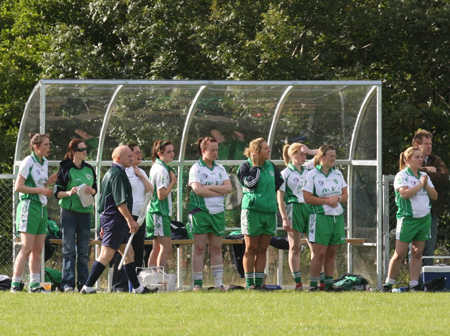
x,y
230,313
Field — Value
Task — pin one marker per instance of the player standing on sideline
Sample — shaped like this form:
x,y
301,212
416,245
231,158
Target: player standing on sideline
x,y
209,182
160,210
75,218
115,205
324,191
413,191
438,173
291,204
31,221
260,180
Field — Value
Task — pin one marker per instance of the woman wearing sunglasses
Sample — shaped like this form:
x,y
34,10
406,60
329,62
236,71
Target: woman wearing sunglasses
x,y
75,218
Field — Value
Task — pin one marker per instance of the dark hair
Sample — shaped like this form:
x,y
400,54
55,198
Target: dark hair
x,y
71,148
36,139
202,144
132,145
159,146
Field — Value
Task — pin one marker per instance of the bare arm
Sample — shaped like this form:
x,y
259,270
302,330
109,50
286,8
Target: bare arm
x,y
314,200
287,225
203,190
145,181
223,189
22,188
162,193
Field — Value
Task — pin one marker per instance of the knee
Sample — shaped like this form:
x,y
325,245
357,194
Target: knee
x,y
294,249
199,249
215,250
398,256
251,250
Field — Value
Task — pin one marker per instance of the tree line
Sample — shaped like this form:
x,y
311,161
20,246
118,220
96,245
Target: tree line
x,y
402,43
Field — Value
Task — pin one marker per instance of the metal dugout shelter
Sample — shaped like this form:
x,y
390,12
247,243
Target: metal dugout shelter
x,y
346,114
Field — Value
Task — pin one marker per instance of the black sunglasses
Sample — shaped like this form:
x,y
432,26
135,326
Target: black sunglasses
x,y
80,149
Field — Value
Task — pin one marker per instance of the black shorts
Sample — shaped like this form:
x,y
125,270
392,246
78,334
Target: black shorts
x,y
115,231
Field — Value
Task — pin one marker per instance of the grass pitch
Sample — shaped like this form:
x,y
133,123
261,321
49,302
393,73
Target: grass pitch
x,y
231,313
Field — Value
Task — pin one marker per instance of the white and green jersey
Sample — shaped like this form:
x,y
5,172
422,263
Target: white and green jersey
x,y
35,173
294,181
417,206
321,185
160,178
204,175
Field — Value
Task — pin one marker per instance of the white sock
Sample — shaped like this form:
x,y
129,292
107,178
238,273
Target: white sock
x,y
198,275
88,289
390,281
16,279
35,277
139,289
217,271
413,283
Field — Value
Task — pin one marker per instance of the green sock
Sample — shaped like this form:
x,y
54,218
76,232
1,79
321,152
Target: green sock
x,y
259,278
328,281
322,277
297,276
198,283
249,279
34,284
313,281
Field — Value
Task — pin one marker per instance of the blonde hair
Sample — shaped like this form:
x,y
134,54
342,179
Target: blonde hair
x,y
321,152
289,150
36,139
254,146
406,155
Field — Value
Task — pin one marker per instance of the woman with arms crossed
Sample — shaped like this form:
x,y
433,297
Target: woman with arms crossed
x,y
324,191
209,182
413,191
260,180
160,210
31,221
75,218
291,204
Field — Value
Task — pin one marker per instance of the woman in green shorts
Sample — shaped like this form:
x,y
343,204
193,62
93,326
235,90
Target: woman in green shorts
x,y
160,210
292,205
260,180
31,221
210,183
324,191
413,191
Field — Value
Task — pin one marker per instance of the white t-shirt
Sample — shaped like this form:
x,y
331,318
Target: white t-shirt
x,y
204,175
294,181
417,206
35,174
138,189
321,185
160,178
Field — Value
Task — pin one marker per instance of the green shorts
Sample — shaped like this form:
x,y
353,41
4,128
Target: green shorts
x,y
298,215
254,223
409,229
201,222
31,217
157,225
326,230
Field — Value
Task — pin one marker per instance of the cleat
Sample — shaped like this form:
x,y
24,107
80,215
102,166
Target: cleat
x,y
147,290
299,286
197,288
415,288
313,289
16,289
84,291
386,288
38,289
68,290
